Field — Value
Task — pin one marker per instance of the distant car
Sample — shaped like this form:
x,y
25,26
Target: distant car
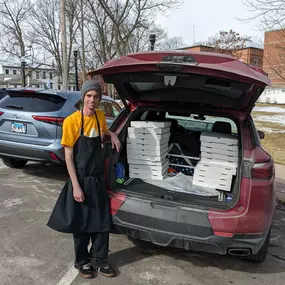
x,y
3,93
31,124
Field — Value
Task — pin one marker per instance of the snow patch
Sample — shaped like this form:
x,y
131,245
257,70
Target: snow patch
x,y
268,109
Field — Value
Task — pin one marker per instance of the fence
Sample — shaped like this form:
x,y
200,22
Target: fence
x,y
273,96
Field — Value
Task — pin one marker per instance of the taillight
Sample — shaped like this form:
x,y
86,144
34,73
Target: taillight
x,y
263,167
50,120
1,113
263,170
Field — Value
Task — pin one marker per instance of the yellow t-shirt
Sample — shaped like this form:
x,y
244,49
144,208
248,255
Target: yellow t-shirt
x,y
72,127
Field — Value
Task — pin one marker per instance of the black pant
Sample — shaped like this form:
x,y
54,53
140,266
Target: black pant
x,y
98,252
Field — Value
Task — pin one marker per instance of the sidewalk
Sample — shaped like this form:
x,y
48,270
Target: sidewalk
x,y
280,181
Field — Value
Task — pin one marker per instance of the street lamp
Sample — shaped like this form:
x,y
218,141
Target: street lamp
x,y
75,53
23,65
152,38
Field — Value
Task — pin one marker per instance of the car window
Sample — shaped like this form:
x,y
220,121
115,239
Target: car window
x,y
194,124
111,109
116,109
3,93
32,102
106,107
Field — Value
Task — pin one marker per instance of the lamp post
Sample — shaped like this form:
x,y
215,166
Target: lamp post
x,y
152,38
75,53
23,65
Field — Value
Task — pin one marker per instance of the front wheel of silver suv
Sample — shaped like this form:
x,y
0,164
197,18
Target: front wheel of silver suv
x,y
14,163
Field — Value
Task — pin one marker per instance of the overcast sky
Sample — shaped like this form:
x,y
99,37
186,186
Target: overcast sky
x,y
209,17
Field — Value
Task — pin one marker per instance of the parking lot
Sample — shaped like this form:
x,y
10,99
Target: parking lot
x,y
31,253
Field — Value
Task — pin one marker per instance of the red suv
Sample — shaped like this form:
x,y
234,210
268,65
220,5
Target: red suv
x,y
199,94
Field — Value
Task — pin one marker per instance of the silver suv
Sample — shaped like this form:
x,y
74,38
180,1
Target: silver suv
x,y
31,124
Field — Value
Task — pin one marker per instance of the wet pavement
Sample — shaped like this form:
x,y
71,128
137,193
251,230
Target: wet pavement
x,y
31,253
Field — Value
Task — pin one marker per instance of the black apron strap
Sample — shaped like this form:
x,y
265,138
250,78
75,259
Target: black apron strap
x,y
82,123
98,125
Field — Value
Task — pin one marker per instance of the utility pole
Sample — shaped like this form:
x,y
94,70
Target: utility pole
x,y
82,41
63,45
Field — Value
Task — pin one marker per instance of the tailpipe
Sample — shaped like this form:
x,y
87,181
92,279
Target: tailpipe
x,y
239,252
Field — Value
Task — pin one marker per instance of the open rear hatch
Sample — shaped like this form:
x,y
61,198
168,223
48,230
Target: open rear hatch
x,y
200,83
202,78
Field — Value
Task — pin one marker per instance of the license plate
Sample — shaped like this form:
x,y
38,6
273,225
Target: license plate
x,y
19,128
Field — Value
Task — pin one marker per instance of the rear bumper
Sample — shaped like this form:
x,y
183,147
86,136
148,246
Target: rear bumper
x,y
213,244
32,152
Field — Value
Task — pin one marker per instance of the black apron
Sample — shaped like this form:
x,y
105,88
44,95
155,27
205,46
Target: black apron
x,y
93,215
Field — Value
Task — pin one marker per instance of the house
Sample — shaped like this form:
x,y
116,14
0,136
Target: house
x,y
38,76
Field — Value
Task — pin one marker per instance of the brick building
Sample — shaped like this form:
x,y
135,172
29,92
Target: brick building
x,y
248,55
274,57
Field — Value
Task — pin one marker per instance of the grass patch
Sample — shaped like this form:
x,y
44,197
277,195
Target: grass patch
x,y
262,113
268,125
273,142
269,105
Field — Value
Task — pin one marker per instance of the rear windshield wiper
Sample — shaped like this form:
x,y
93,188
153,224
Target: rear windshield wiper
x,y
18,107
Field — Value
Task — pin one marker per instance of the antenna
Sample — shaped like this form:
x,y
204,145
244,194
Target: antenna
x,y
194,34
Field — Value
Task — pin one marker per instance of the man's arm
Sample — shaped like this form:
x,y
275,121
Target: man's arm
x,y
114,139
77,191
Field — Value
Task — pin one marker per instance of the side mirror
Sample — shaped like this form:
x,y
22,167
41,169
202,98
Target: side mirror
x,y
261,134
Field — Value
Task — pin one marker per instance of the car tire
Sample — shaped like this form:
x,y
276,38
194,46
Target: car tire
x,y
261,255
14,163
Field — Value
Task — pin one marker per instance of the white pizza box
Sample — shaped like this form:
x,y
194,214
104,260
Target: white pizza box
x,y
147,151
219,146
157,131
135,146
148,176
216,184
142,157
219,151
150,124
217,163
217,156
138,165
148,136
213,175
215,169
219,138
140,162
148,171
147,141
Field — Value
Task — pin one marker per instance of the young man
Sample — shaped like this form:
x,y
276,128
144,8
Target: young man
x,y
83,205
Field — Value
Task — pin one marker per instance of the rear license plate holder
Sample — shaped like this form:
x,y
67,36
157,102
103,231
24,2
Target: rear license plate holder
x,y
19,128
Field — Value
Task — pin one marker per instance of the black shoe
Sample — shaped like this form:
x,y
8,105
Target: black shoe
x,y
86,271
105,269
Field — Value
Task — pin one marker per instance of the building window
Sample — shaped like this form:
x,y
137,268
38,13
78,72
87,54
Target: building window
x,y
44,75
255,61
69,88
7,71
50,75
74,88
38,86
58,87
51,85
37,75
14,71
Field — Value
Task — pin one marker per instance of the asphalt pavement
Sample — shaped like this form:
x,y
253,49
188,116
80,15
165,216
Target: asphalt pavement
x,y
31,253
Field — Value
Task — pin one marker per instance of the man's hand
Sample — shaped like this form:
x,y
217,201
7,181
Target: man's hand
x,y
78,194
115,141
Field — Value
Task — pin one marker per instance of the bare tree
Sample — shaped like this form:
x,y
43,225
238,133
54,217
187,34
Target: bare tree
x,y
45,32
13,24
173,43
271,14
228,42
130,15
